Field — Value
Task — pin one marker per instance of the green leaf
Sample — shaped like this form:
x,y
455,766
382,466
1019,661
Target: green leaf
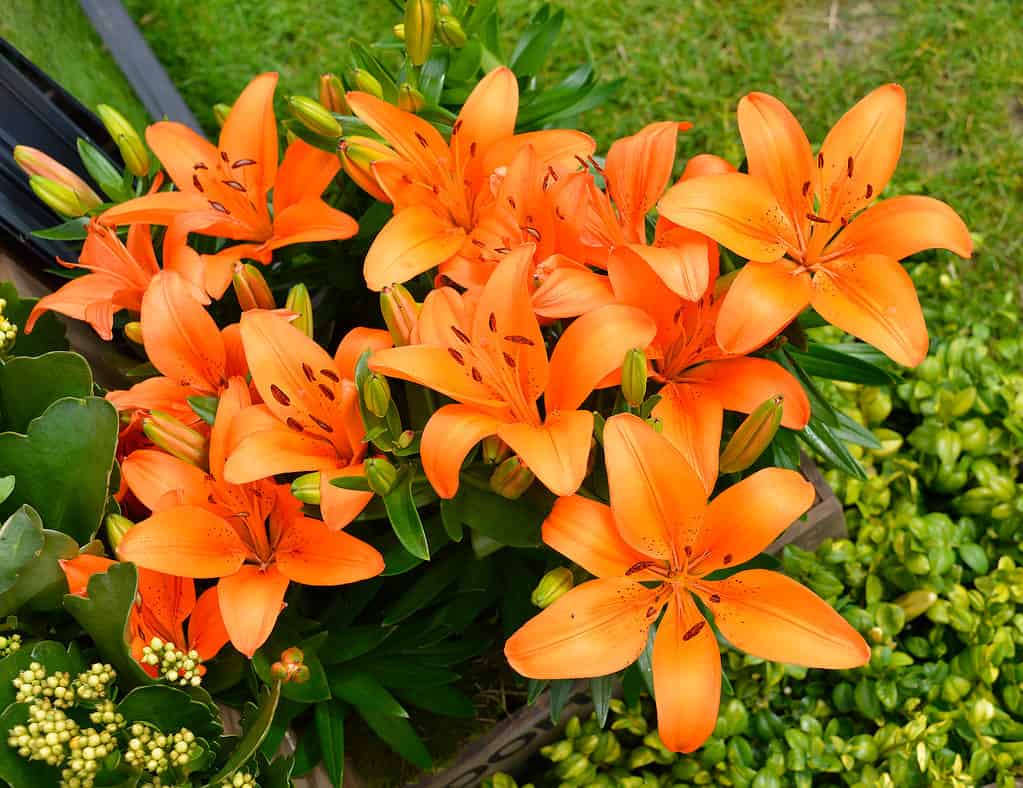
x,y
6,487
357,483
48,333
405,673
30,384
364,692
851,431
21,541
352,642
444,699
71,230
819,407
512,523
109,178
600,690
258,725
645,663
432,76
466,62
824,361
41,583
365,59
536,43
204,407
398,734
560,692
975,557
819,437
405,520
63,465
427,587
104,613
330,728
451,517
170,708
16,771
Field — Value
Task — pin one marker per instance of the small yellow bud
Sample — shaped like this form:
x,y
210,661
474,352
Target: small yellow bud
x,y
511,478
220,113
410,99
367,83
380,474
450,32
552,586
251,288
419,23
400,311
332,94
133,149
35,162
399,31
133,331
306,488
314,116
753,436
57,196
301,304
176,438
634,376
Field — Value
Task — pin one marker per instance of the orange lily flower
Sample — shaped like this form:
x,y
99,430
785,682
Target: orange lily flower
x,y
183,342
654,547
438,188
162,605
310,420
253,537
701,380
222,190
797,218
491,358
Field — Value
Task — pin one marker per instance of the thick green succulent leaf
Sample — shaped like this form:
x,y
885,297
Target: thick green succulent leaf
x,y
30,384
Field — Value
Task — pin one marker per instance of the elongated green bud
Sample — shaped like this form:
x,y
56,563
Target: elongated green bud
x,y
753,436
511,478
401,313
367,83
552,586
419,23
220,113
332,94
377,395
495,450
358,154
410,99
314,116
251,288
301,304
634,376
117,526
450,32
133,149
57,196
306,488
916,603
381,475
176,438
35,162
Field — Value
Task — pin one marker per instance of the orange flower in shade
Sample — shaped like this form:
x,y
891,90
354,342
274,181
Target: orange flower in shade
x,y
490,357
163,603
251,536
183,342
310,420
655,547
797,218
439,189
701,380
222,190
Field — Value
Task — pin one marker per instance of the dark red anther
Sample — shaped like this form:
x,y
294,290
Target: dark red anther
x,y
472,148
819,219
224,156
422,139
327,391
322,424
820,161
243,163
196,183
330,375
217,206
492,322
870,191
458,357
806,188
477,375
518,339
509,360
308,372
293,423
235,185
694,630
279,395
715,598
849,166
727,559
460,334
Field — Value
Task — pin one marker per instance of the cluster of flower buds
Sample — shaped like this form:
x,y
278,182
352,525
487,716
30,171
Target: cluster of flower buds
x,y
34,684
86,751
129,143
46,736
239,780
8,334
95,683
422,22
291,667
511,478
173,664
332,94
381,475
9,643
157,752
106,715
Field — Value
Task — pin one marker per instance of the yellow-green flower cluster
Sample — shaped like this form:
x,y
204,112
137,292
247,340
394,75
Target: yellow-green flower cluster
x,y
34,684
46,736
94,684
87,750
106,715
9,643
156,752
8,333
175,665
240,780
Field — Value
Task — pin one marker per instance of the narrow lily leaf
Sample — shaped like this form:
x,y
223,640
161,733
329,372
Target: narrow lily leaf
x,y
560,692
601,690
71,230
399,735
823,361
404,516
109,178
819,437
451,516
645,663
330,728
248,743
852,432
819,407
204,407
535,688
435,579
446,700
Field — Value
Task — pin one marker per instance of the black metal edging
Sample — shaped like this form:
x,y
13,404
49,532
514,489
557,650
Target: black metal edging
x,y
140,66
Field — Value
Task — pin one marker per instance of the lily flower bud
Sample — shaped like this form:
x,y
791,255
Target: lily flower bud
x,y
450,32
357,157
400,311
57,196
251,288
332,94
419,23
306,488
314,116
399,31
220,113
753,436
405,439
552,586
495,450
634,376
511,478
410,99
133,149
35,162
176,438
133,331
376,393
301,304
381,475
367,83
117,526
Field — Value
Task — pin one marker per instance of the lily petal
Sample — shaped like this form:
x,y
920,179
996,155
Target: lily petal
x,y
595,629
874,299
161,481
186,541
412,242
773,617
250,134
411,137
338,505
355,343
743,384
250,602
638,169
557,451
762,300
691,420
736,210
550,146
592,348
311,220
312,554
687,676
233,401
571,290
487,116
449,436
305,172
206,631
684,266
743,520
657,499
278,450
435,368
584,531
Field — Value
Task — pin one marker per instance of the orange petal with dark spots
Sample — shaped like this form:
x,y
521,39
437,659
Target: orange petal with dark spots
x,y
185,541
743,384
312,554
